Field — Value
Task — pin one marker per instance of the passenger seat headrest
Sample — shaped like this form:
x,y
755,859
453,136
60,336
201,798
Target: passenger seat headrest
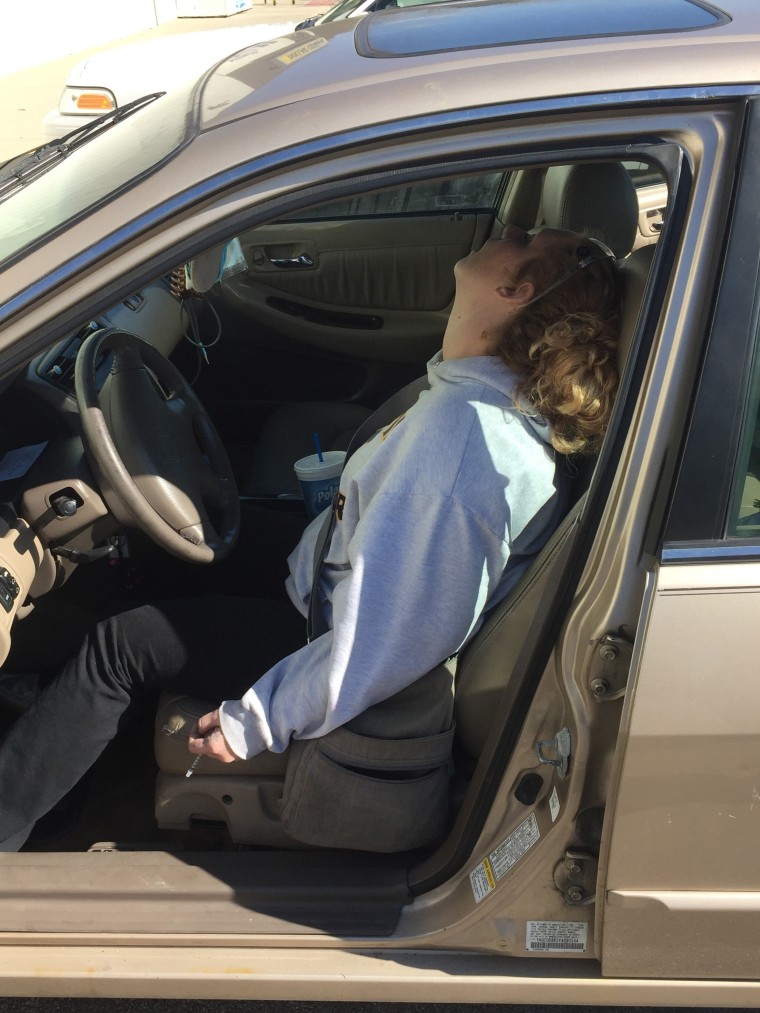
x,y
594,197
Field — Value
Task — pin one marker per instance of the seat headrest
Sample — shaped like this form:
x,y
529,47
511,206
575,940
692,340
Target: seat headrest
x,y
594,197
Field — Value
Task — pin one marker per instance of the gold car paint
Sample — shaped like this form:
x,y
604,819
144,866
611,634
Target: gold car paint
x,y
425,962
684,862
454,904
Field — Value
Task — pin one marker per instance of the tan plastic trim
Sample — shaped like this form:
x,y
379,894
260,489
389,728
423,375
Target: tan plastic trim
x,y
20,554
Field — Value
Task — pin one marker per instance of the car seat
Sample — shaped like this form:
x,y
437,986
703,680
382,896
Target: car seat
x,y
246,796
597,196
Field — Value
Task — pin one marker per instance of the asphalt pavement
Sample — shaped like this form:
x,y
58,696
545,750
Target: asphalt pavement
x,y
26,96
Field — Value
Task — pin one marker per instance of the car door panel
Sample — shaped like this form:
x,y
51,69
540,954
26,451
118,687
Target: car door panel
x,y
681,896
373,288
684,863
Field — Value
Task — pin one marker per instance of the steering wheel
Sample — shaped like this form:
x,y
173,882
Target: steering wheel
x,y
159,460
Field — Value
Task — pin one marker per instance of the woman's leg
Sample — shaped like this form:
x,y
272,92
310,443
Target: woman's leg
x,y
213,648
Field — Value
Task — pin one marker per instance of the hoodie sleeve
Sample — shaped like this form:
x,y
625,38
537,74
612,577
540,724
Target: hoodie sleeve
x,y
422,569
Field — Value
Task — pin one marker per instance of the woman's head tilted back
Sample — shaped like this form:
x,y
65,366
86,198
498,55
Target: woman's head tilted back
x,y
563,342
548,304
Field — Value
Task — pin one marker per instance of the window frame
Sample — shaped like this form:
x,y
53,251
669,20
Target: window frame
x,y
707,476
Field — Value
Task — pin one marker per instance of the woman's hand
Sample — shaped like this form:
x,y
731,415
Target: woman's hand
x,y
207,739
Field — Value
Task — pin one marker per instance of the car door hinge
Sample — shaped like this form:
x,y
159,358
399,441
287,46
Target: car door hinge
x,y
610,667
575,877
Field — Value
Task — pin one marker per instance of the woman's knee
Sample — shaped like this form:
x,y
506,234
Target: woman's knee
x,y
134,649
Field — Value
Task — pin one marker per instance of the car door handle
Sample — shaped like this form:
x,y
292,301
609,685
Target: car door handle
x,y
292,263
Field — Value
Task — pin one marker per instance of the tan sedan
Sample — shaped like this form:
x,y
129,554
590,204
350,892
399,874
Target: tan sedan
x,y
284,231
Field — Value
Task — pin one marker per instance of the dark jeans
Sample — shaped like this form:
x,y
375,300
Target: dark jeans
x,y
212,648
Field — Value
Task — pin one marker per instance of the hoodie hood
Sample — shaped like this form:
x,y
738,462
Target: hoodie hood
x,y
487,371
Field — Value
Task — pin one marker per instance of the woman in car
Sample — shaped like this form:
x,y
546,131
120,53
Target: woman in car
x,y
439,514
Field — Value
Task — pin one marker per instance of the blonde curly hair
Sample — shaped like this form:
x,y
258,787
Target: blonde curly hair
x,y
563,345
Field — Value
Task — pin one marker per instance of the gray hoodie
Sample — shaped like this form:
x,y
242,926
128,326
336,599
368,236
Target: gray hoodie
x,y
439,515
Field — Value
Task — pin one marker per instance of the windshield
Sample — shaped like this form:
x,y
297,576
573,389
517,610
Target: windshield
x,y
96,171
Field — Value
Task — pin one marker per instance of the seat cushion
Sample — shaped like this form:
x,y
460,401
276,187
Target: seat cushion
x,y
175,718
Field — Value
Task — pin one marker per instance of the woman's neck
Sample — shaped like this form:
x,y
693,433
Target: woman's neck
x,y
469,332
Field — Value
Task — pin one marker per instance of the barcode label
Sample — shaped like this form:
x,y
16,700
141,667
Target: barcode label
x,y
556,937
557,944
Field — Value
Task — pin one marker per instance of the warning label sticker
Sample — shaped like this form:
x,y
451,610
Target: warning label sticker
x,y
556,937
510,851
483,878
482,881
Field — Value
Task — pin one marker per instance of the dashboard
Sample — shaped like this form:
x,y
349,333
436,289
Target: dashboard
x,y
52,513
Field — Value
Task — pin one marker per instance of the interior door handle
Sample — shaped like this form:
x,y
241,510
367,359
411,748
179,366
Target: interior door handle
x,y
291,263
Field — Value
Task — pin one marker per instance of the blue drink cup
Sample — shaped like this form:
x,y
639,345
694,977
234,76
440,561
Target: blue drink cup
x,y
319,479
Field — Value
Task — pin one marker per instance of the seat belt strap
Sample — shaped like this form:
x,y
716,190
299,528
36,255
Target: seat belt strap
x,y
396,405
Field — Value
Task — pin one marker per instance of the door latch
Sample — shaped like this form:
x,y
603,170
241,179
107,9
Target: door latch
x,y
559,746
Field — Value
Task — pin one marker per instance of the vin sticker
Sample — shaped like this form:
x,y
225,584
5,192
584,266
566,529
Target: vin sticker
x,y
510,851
554,804
556,937
482,881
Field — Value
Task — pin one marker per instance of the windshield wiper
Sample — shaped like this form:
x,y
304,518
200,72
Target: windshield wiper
x,y
24,169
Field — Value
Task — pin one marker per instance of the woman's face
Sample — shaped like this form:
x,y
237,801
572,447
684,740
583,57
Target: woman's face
x,y
488,293
497,263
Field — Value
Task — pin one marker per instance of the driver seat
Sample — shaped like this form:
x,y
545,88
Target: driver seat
x,y
247,796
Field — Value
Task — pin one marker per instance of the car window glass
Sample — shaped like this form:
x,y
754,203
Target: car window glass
x,y
469,193
744,511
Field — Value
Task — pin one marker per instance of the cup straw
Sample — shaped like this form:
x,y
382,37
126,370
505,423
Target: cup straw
x,y
318,446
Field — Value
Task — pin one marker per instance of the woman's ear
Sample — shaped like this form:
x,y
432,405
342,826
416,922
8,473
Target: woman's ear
x,y
518,294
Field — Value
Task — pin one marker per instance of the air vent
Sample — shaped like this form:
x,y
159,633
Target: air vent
x,y
58,367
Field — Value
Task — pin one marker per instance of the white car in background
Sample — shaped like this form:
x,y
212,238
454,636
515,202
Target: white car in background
x,y
111,79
